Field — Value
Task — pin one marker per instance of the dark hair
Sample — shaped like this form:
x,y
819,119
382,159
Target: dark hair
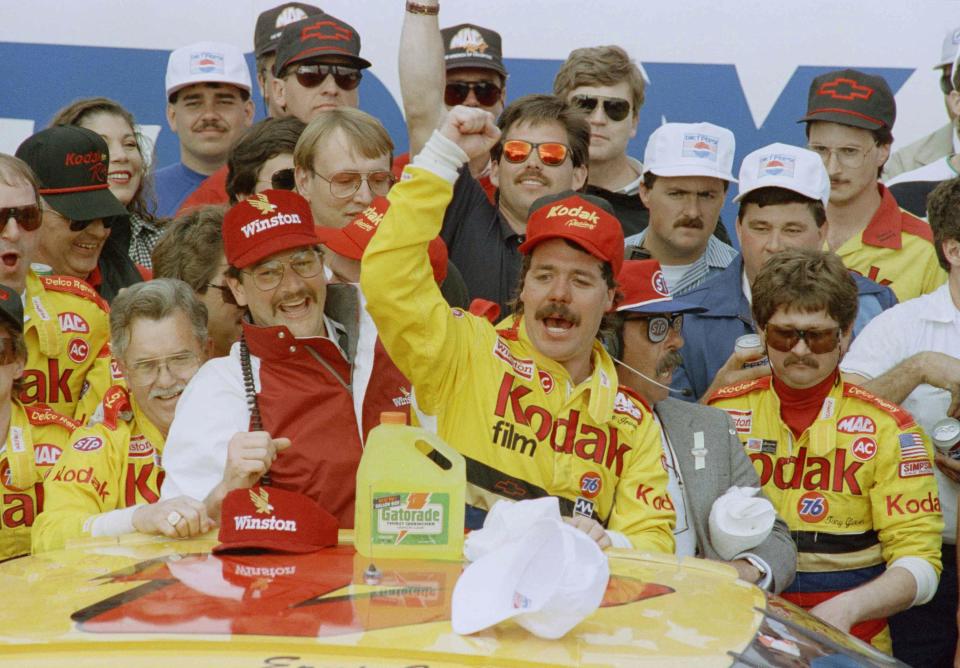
x,y
144,201
808,281
265,140
606,271
540,109
244,93
190,248
773,196
649,178
943,212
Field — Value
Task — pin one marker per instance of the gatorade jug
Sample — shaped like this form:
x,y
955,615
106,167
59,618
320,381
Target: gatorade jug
x,y
410,494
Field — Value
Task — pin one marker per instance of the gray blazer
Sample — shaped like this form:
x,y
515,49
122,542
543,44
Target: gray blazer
x,y
726,465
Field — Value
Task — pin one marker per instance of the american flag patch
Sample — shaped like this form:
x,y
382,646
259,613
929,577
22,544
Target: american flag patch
x,y
911,447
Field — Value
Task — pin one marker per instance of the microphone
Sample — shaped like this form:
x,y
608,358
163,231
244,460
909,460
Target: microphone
x,y
686,392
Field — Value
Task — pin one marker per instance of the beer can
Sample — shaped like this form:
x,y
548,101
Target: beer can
x,y
750,343
946,437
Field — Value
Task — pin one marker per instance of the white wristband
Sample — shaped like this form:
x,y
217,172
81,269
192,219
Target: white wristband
x,y
113,523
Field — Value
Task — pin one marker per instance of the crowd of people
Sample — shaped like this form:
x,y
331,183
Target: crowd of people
x,y
516,283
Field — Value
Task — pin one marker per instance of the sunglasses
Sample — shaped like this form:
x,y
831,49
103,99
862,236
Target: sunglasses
x,y
551,154
616,108
81,225
28,217
283,179
658,326
311,76
345,184
457,92
819,341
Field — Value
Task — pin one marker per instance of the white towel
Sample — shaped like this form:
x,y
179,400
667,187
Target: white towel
x,y
739,521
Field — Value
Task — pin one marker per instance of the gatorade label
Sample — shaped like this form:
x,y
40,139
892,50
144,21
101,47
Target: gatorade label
x,y
410,518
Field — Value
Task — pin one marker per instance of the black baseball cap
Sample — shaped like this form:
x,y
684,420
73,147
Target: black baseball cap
x,y
11,308
315,37
270,24
71,165
851,97
469,45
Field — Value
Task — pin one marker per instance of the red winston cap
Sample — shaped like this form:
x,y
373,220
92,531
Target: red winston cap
x,y
582,219
274,519
266,223
352,239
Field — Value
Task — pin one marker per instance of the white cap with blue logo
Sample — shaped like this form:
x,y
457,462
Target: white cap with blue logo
x,y
207,62
690,149
784,166
948,49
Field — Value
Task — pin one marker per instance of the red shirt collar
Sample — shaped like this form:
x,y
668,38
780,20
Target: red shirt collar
x,y
886,226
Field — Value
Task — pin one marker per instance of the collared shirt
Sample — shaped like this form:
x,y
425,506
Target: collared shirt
x,y
895,249
927,323
714,260
912,188
143,237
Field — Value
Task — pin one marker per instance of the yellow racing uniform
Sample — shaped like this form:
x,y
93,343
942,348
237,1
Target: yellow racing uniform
x,y
525,428
67,331
111,464
856,489
36,437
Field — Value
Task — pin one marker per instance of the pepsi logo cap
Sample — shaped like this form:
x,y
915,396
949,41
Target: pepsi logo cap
x,y
586,220
851,97
784,166
313,38
266,223
71,165
948,49
270,24
645,290
469,45
690,149
351,240
278,520
207,62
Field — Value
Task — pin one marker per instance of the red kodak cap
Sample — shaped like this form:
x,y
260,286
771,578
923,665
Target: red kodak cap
x,y
274,519
582,220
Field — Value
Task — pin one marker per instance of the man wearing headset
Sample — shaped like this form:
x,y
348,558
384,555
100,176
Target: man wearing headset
x,y
645,342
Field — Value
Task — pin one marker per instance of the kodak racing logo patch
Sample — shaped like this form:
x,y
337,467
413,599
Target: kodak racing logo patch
x,y
524,368
742,420
898,504
810,473
532,424
83,476
916,468
857,424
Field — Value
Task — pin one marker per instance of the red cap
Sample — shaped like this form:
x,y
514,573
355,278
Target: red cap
x,y
351,240
274,519
581,221
645,290
264,224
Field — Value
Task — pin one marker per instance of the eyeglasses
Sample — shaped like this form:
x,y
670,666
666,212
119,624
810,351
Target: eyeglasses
x,y
8,351
28,217
616,108
282,179
551,154
345,184
848,156
819,341
178,365
658,326
306,264
457,92
312,75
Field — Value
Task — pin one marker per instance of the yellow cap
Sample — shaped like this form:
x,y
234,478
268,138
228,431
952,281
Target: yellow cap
x,y
393,417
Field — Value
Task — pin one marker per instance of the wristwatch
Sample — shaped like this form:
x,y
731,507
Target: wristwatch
x,y
759,565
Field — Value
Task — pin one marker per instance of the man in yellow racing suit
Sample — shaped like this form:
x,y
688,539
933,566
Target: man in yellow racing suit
x,y
533,404
108,480
850,473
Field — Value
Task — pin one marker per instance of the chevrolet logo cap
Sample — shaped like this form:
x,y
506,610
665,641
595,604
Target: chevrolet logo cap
x,y
851,97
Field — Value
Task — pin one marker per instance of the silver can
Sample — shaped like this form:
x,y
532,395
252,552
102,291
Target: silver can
x,y
750,343
946,437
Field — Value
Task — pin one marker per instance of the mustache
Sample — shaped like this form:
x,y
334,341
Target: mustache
x,y
211,123
669,362
167,392
805,361
531,172
557,311
690,222
293,296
